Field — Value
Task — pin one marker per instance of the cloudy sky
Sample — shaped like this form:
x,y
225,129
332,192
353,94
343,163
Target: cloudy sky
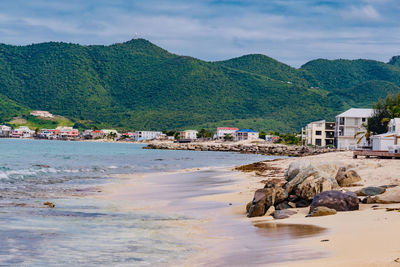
x,y
291,31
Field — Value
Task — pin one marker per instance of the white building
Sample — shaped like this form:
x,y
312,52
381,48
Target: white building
x,y
188,135
350,123
386,141
223,131
147,135
109,132
5,131
22,132
246,134
320,133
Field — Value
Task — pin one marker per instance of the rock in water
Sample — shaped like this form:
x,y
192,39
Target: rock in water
x,y
371,191
49,204
283,214
336,200
321,211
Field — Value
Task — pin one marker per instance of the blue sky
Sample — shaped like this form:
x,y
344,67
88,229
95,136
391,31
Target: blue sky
x,y
291,31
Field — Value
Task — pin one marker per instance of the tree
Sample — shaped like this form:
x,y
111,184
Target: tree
x,y
203,133
228,137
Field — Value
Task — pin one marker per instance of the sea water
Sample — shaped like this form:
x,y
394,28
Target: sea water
x,y
90,231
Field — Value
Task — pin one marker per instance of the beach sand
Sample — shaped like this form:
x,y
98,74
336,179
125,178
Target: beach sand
x,y
368,237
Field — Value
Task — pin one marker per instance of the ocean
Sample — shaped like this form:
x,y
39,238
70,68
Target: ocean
x,y
85,229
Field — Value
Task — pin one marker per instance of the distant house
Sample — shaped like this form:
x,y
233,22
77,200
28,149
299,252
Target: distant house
x,y
5,131
320,133
129,135
271,138
66,132
47,134
111,132
188,135
389,140
96,134
350,123
147,135
22,132
224,131
42,113
246,134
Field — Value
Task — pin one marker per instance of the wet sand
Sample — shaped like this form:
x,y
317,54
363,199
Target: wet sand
x,y
219,233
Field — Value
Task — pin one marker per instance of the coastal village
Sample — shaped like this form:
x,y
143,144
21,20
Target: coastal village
x,y
347,132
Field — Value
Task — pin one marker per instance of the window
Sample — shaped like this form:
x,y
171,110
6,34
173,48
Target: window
x,y
318,133
341,121
318,142
364,119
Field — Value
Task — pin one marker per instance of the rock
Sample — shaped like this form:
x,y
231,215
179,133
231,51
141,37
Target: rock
x,y
264,198
347,178
294,169
302,203
49,204
292,204
368,200
282,206
392,195
283,214
371,191
309,182
336,200
270,211
321,211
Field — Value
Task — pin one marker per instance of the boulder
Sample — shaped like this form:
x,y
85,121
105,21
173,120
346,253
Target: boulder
x,y
336,200
302,203
370,191
270,211
347,178
282,206
321,211
294,169
283,214
313,185
265,198
392,195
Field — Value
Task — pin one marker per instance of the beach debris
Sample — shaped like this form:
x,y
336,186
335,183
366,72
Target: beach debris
x,y
321,211
370,191
336,200
283,214
393,209
324,240
49,204
397,260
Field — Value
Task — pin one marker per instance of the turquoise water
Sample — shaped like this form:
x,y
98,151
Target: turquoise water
x,y
88,231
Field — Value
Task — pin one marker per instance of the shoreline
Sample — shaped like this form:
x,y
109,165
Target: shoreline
x,y
367,237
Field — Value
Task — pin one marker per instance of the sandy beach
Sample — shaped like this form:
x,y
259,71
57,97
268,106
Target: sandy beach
x,y
367,237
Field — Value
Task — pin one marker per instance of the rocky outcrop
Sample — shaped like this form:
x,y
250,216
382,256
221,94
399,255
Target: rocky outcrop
x,y
336,200
255,148
321,211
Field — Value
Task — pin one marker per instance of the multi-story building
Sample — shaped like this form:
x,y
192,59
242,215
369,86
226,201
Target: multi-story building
x,y
22,132
147,135
5,131
320,133
188,135
348,124
246,134
386,141
224,131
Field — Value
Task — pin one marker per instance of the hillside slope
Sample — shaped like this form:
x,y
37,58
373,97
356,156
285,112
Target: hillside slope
x,y
137,85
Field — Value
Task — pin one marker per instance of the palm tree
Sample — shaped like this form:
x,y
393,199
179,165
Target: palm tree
x,y
363,134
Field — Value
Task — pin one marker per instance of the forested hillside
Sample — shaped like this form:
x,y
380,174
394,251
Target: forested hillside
x,y
137,85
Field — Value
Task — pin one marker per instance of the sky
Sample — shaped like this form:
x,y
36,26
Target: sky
x,y
291,31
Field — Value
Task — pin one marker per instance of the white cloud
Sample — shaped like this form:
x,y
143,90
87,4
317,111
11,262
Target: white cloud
x,y
367,12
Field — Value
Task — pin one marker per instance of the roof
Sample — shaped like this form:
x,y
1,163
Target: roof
x,y
357,113
246,131
227,128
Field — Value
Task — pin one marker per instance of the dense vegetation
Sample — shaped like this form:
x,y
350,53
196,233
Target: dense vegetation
x,y
384,110
137,85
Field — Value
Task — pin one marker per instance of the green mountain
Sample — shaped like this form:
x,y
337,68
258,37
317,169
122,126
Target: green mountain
x,y
10,109
137,85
